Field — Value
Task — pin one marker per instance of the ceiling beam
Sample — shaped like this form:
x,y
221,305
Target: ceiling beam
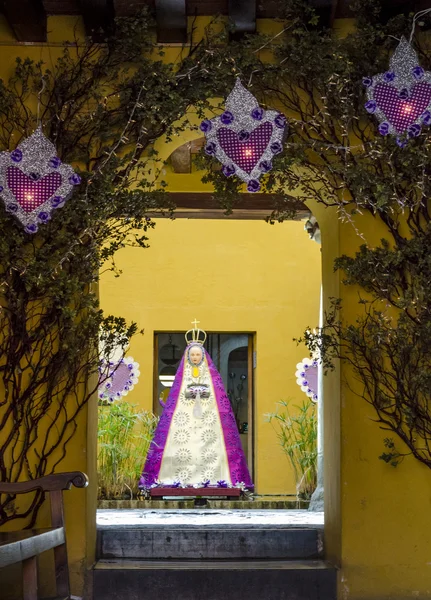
x,y
98,18
61,7
242,13
171,21
206,7
341,10
269,9
325,10
27,19
129,8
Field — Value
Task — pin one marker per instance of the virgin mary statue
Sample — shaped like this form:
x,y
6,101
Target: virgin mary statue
x,y
196,442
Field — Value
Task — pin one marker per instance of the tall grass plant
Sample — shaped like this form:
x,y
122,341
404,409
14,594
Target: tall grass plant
x,y
296,428
124,436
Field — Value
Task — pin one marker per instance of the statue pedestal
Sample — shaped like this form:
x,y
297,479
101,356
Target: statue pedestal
x,y
160,492
317,500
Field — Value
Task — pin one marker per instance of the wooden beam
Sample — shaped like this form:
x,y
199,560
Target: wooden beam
x,y
192,205
341,10
214,215
248,202
325,9
171,21
27,19
207,7
219,215
129,8
98,18
242,13
269,9
61,7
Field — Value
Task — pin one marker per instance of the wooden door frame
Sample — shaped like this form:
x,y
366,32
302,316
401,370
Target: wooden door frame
x,y
250,403
155,372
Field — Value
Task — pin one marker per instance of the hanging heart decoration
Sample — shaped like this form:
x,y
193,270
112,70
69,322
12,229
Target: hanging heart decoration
x,y
34,181
245,138
401,97
118,379
306,377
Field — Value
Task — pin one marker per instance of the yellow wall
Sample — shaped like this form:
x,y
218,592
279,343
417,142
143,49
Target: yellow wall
x,y
244,276
377,519
80,505
385,514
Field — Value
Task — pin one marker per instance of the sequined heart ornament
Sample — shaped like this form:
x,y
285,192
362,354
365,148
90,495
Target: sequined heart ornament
x,y
401,97
245,137
117,379
306,377
34,181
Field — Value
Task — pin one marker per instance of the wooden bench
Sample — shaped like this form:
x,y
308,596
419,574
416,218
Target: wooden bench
x,y
24,546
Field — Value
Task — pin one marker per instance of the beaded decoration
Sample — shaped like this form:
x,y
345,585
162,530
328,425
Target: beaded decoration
x,y
34,181
306,377
245,137
121,379
401,97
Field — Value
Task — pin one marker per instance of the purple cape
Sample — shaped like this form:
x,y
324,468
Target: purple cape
x,y
236,459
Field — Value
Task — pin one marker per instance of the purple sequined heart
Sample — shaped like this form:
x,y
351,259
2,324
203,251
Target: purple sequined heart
x,y
31,194
310,379
402,113
120,379
245,154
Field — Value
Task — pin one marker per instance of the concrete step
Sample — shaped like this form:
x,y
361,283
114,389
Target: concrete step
x,y
214,580
279,503
228,542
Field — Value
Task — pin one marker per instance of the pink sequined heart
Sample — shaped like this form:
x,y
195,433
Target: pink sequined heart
x,y
31,194
402,113
247,154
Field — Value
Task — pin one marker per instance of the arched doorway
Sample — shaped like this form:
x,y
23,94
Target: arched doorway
x,y
329,229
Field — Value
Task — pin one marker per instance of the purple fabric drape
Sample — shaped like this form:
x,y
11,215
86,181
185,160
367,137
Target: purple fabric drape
x,y
153,463
236,459
235,454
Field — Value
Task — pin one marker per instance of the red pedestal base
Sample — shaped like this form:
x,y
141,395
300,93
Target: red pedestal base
x,y
160,492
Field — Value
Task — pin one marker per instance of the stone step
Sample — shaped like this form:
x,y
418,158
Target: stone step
x,y
214,580
256,504
228,542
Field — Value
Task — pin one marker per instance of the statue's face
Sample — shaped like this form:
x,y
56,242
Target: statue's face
x,y
195,355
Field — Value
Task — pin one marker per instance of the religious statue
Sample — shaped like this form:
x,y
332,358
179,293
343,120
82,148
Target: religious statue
x,y
196,442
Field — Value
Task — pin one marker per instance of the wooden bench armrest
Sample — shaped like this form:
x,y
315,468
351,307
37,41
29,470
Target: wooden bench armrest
x,y
17,546
49,483
28,545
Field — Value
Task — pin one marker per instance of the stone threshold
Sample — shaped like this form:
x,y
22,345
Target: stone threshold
x,y
241,504
208,519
